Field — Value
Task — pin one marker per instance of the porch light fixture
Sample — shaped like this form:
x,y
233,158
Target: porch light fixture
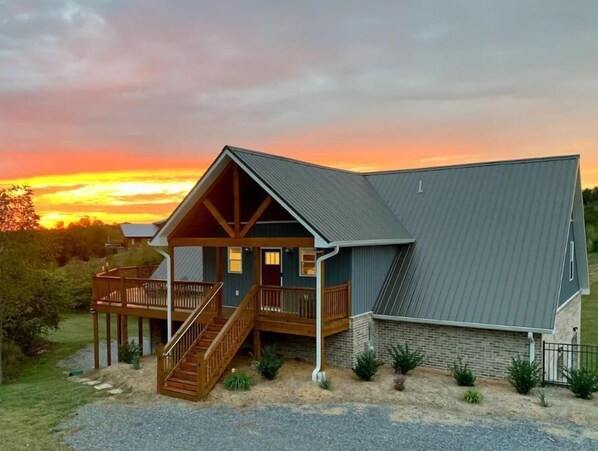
x,y
288,250
248,250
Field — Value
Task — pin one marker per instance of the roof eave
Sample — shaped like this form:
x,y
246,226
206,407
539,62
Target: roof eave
x,y
364,243
505,328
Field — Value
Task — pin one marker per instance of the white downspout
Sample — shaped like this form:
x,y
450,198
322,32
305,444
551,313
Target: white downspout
x,y
532,347
316,374
168,294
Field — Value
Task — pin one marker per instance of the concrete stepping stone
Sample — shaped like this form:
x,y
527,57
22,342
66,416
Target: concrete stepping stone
x,y
115,391
80,380
93,382
102,386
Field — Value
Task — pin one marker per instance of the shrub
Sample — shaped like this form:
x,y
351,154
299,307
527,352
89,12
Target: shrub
x,y
237,380
367,365
462,374
404,360
127,351
524,375
582,382
472,396
11,361
325,384
269,364
542,398
399,383
135,362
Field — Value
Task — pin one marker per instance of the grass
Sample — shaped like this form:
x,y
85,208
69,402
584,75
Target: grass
x,y
42,397
589,309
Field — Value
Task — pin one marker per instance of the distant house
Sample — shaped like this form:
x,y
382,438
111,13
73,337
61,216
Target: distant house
x,y
483,261
137,234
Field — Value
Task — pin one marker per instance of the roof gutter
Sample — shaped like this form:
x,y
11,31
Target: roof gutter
x,y
317,374
168,293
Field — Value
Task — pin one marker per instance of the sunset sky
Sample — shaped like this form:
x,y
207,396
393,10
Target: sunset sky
x,y
114,109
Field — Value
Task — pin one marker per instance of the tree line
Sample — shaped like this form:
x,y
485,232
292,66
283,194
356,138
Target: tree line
x,y
590,202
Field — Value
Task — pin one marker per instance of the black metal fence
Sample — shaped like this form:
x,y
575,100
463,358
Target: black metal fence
x,y
559,356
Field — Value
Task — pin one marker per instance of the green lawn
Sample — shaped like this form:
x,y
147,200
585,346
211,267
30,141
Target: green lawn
x,y
589,309
42,397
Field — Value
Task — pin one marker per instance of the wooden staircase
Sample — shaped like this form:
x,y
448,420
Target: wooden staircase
x,y
195,358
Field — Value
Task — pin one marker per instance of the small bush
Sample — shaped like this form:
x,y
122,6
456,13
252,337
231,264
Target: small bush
x,y
11,361
582,382
135,362
366,366
269,364
127,351
325,384
404,360
237,380
524,375
472,396
462,374
399,383
542,398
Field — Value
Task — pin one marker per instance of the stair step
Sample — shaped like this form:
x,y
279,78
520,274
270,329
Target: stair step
x,y
185,375
188,366
220,320
190,394
181,383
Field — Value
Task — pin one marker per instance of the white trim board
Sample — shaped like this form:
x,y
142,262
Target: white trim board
x,y
561,307
461,324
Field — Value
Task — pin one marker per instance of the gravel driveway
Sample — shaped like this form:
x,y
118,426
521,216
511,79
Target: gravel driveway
x,y
179,426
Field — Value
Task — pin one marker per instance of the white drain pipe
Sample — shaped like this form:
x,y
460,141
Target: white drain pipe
x,y
316,374
532,347
168,294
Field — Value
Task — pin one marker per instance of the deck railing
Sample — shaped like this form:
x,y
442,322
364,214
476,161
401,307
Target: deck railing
x,y
117,286
226,344
299,304
186,336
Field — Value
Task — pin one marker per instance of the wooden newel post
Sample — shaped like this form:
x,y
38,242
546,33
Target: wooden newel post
x,y
202,376
108,341
160,367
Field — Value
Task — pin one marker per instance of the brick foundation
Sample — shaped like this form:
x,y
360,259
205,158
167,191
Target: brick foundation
x,y
488,352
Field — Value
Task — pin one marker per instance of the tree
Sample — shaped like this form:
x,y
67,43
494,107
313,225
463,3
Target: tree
x,y
17,212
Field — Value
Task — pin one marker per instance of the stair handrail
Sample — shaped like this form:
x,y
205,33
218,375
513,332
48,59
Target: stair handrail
x,y
192,318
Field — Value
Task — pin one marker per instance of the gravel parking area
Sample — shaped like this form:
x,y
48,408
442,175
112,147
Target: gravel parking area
x,y
182,426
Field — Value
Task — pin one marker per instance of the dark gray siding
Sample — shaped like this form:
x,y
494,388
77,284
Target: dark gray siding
x,y
369,269
338,268
569,287
188,265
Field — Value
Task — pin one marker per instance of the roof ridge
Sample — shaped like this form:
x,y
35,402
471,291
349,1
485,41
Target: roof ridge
x,y
478,164
291,160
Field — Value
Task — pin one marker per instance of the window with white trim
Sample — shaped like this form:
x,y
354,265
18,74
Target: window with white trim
x,y
571,260
307,262
235,260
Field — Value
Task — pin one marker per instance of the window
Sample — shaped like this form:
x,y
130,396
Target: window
x,y
235,260
272,258
571,260
307,262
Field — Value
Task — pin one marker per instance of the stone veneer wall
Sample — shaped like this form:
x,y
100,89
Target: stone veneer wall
x,y
340,349
488,352
566,319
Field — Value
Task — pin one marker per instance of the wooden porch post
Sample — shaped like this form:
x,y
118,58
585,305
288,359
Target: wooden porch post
x,y
219,274
322,286
257,270
172,292
96,343
140,334
108,341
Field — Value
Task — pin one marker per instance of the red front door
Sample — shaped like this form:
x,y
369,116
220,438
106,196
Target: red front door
x,y
271,298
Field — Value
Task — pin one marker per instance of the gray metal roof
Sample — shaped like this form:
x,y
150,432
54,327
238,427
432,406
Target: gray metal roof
x,y
341,206
138,230
188,265
490,242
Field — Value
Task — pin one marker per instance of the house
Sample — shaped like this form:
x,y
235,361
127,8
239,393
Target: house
x,y
483,261
137,234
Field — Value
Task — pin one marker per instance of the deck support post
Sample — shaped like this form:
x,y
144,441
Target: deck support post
x,y
140,334
96,343
119,332
124,324
160,367
108,341
257,344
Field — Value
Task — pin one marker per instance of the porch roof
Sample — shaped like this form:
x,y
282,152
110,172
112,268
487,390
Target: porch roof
x,y
339,207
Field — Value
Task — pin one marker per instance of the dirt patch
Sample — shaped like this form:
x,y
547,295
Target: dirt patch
x,y
429,394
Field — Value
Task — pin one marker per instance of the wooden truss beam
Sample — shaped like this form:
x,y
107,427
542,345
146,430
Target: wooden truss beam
x,y
257,215
210,206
